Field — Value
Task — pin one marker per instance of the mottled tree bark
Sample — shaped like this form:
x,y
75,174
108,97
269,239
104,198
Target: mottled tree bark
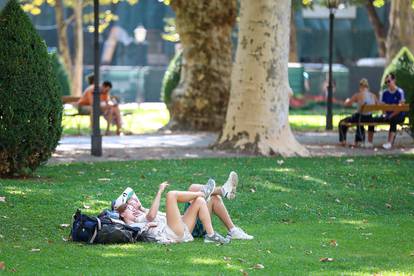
x,y
257,116
401,30
379,29
200,100
293,53
63,37
78,59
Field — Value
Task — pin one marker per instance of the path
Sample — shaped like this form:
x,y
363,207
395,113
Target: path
x,y
196,145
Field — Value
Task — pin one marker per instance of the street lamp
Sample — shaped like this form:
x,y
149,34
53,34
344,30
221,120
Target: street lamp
x,y
332,6
96,139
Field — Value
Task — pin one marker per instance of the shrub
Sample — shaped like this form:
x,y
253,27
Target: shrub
x,y
30,105
171,78
403,68
62,76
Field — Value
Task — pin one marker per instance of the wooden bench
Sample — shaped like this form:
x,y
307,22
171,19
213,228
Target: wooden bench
x,y
380,107
83,112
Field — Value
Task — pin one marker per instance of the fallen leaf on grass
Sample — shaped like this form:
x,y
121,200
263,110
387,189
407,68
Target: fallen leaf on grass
x,y
64,225
2,199
324,260
86,206
2,266
412,254
64,239
349,160
258,266
308,252
252,190
227,258
244,272
333,243
241,260
389,206
280,162
366,234
337,200
104,179
287,205
35,250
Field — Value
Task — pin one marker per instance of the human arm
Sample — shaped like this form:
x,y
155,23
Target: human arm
x,y
350,101
152,213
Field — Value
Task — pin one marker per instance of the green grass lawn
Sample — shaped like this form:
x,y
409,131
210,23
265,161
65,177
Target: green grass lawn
x,y
298,211
151,119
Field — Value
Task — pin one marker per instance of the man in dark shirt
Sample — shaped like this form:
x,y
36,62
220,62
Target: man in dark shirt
x,y
392,95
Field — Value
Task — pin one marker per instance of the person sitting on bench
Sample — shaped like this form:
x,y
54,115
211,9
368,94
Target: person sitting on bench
x,y
109,108
362,97
392,95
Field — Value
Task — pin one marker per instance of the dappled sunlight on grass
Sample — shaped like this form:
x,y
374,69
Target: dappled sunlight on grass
x,y
314,179
274,187
207,261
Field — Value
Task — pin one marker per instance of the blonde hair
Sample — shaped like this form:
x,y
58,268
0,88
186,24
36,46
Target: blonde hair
x,y
364,82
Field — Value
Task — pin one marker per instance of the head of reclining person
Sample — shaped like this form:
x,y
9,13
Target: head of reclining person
x,y
126,213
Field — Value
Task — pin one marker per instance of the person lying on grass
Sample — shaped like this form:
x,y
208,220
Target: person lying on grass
x,y
172,227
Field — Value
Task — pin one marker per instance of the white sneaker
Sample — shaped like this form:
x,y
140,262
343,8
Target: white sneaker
x,y
387,146
238,234
229,188
208,189
368,145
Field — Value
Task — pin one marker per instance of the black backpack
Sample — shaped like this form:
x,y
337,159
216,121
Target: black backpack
x,y
101,230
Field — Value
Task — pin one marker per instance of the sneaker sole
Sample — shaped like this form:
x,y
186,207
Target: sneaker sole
x,y
234,179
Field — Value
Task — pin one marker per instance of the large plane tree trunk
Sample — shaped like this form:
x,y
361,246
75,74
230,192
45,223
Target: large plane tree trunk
x,y
257,116
378,26
200,100
401,31
78,58
63,37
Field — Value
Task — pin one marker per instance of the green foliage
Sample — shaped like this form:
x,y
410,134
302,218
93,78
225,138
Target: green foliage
x,y
62,76
403,68
294,210
30,105
171,77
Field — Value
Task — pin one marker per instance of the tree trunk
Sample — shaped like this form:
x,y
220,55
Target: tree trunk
x,y
293,52
401,31
379,29
78,60
200,100
63,37
257,116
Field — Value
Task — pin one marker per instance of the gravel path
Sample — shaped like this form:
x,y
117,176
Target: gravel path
x,y
196,145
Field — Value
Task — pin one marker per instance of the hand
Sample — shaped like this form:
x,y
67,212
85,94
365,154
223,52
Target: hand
x,y
163,186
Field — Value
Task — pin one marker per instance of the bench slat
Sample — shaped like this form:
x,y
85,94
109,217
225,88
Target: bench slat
x,y
385,107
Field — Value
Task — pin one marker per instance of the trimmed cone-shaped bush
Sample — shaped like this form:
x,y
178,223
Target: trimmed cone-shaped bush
x,y
61,74
30,105
403,68
171,78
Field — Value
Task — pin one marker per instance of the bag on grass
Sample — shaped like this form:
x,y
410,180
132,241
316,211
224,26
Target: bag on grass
x,y
101,230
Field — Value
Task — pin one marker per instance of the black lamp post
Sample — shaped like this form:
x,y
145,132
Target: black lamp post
x,y
332,6
96,139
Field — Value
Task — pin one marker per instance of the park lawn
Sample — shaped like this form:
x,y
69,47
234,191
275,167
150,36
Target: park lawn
x,y
357,211
149,119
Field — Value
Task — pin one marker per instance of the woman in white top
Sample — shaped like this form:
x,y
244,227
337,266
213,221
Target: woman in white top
x,y
362,97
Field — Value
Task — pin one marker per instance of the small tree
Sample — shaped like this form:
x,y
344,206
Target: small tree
x,y
403,67
30,106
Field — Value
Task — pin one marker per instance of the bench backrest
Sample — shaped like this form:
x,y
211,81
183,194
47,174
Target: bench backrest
x,y
385,107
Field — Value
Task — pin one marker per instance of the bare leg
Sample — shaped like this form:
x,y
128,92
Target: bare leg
x,y
391,137
370,136
197,188
216,205
174,220
118,118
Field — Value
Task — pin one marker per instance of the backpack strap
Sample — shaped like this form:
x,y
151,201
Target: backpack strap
x,y
98,228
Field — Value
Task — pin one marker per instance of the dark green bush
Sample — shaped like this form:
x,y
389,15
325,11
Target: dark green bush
x,y
403,68
171,78
30,105
61,74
